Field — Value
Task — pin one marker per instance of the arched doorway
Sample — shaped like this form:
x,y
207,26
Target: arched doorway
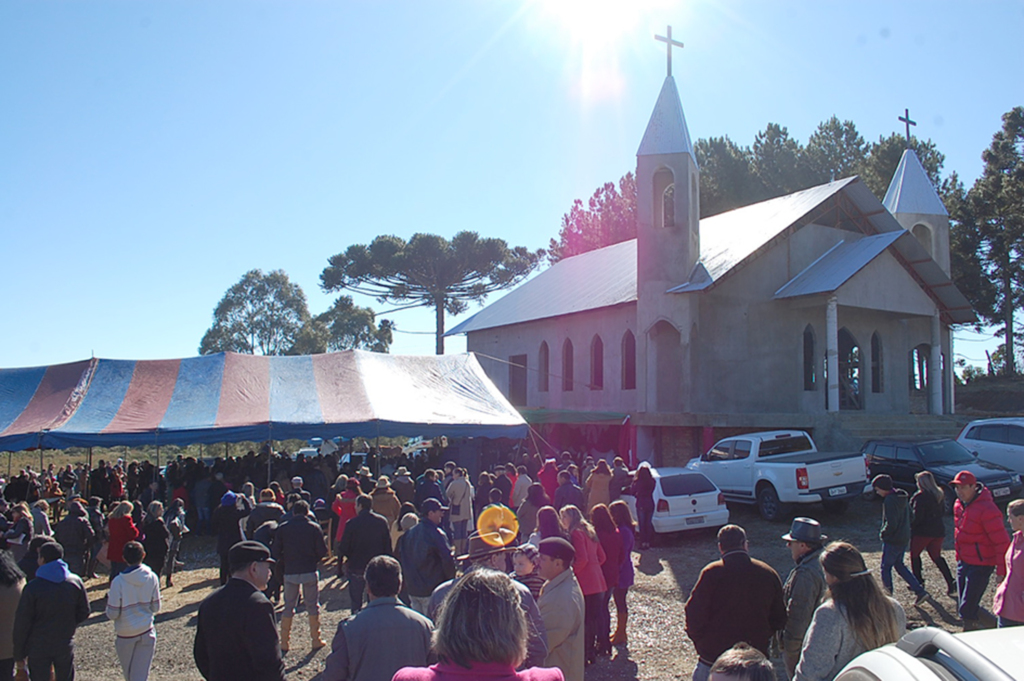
x,y
849,372
666,372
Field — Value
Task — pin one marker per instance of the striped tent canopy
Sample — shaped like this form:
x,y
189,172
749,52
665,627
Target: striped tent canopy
x,y
230,397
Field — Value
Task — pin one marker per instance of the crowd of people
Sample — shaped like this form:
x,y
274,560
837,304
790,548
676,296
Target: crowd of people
x,y
511,578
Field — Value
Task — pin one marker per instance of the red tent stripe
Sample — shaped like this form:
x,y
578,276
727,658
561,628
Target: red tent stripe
x,y
46,408
148,396
340,388
245,391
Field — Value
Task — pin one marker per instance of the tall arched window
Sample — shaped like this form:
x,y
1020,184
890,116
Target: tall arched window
x,y
567,366
596,363
919,366
809,383
664,198
923,233
628,361
543,367
876,363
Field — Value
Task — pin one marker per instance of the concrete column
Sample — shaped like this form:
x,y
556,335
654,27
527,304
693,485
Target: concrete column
x,y
950,375
832,352
935,368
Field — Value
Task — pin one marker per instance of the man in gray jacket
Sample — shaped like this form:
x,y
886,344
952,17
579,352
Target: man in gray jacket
x,y
804,588
895,535
384,637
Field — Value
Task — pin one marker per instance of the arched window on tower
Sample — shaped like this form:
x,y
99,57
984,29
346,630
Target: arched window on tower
x,y
596,363
567,366
664,198
876,363
809,383
628,361
923,233
543,367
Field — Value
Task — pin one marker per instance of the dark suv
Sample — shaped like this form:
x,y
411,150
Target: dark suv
x,y
902,459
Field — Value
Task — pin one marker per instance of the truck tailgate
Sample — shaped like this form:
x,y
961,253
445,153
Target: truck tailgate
x,y
835,473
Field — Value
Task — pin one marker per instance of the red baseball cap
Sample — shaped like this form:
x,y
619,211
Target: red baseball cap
x,y
964,478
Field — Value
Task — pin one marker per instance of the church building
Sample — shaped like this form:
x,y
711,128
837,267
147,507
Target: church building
x,y
821,310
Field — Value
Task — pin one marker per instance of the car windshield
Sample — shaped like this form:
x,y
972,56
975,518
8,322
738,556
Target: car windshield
x,y
684,484
944,452
784,445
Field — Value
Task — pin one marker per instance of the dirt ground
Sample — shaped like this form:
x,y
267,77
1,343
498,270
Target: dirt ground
x,y
658,647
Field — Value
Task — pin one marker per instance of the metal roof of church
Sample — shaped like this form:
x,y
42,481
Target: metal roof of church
x,y
592,280
607,276
837,265
911,191
666,130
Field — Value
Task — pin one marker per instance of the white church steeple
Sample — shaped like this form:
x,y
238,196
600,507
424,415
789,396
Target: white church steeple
x,y
915,204
668,192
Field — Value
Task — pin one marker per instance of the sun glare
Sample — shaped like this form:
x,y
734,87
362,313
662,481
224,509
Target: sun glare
x,y
595,35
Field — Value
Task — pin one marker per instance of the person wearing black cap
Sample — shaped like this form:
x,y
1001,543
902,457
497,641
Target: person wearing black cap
x,y
561,607
490,554
236,636
804,588
426,555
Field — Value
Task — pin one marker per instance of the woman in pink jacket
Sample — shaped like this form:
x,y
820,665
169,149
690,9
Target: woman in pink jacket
x,y
590,556
1008,603
481,635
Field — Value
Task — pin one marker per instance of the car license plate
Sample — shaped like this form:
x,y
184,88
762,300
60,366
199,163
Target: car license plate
x,y
1001,492
836,491
699,520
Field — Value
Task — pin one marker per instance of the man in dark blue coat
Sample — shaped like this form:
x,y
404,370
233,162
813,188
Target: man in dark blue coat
x,y
236,636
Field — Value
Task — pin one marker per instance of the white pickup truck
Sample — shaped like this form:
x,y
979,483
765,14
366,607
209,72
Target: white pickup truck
x,y
782,467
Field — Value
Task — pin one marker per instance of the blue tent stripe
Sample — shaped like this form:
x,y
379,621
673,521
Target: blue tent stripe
x,y
196,396
107,389
17,386
291,401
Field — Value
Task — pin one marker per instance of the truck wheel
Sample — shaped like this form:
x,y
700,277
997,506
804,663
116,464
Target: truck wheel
x,y
768,503
835,507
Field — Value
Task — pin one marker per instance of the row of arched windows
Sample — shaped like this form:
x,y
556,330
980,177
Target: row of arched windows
x,y
566,372
849,361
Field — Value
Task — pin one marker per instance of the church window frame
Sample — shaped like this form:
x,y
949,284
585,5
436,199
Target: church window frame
x,y
809,359
877,364
924,234
596,363
628,360
543,367
567,365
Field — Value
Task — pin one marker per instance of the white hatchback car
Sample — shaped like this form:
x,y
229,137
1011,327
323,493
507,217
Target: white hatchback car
x,y
931,654
1000,441
684,500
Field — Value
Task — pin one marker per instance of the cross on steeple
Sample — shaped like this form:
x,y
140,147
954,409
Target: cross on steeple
x,y
671,43
905,118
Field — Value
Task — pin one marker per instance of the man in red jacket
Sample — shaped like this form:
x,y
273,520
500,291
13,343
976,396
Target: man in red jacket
x,y
981,542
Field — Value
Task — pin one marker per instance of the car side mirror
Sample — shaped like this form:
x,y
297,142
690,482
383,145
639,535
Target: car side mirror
x,y
976,455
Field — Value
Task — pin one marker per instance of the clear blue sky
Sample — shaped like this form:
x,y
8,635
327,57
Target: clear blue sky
x,y
152,152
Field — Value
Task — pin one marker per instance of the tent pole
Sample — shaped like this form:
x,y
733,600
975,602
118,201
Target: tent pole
x,y
270,453
41,468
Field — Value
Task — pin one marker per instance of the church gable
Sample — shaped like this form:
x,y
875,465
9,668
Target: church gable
x,y
884,284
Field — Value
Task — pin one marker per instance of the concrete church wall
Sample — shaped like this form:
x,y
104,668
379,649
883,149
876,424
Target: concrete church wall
x,y
525,339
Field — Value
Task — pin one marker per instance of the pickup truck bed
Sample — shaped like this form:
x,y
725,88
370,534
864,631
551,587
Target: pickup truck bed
x,y
808,457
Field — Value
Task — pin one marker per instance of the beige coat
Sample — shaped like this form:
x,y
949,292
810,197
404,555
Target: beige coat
x,y
597,490
9,597
386,503
460,496
561,608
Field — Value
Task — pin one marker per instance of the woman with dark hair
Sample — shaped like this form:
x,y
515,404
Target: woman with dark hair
x,y
611,542
481,634
19,534
624,521
548,525
527,513
858,617
928,529
483,493
643,492
12,581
